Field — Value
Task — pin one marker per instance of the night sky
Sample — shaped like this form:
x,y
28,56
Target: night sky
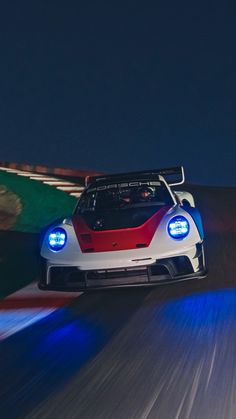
x,y
120,86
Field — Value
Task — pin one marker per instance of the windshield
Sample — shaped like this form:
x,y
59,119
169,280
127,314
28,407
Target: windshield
x,y
125,195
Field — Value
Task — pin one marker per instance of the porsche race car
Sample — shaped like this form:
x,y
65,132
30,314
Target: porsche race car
x,y
127,229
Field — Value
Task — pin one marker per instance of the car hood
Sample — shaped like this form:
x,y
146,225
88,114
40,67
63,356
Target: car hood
x,y
117,230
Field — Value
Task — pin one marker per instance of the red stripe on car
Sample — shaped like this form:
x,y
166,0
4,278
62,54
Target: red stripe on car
x,y
121,239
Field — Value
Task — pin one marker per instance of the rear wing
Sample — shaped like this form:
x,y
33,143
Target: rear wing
x,y
173,176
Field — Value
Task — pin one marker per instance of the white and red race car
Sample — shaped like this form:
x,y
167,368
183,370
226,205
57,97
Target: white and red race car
x,y
127,229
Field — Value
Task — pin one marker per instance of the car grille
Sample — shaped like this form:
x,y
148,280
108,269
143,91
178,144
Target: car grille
x,y
162,270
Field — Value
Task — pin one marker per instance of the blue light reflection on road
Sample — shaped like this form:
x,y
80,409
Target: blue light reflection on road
x,y
202,308
199,315
44,357
56,348
72,341
75,335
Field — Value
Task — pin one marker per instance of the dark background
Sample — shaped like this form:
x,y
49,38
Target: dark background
x,y
116,86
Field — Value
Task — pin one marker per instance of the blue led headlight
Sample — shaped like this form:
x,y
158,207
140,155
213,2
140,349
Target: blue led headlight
x,y
57,239
178,227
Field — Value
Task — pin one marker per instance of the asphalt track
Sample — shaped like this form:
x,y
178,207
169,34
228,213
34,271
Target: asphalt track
x,y
163,353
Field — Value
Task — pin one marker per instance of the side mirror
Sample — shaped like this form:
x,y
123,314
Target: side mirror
x,y
186,198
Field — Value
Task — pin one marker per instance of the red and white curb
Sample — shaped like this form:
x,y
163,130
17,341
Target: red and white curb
x,y
73,189
28,306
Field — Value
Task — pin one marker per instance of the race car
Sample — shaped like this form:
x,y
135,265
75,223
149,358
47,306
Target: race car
x,y
127,229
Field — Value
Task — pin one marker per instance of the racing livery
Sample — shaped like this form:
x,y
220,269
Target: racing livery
x,y
127,229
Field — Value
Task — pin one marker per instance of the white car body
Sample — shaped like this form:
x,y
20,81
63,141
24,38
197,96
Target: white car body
x,y
164,259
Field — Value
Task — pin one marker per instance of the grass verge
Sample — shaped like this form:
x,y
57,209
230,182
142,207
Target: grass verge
x,y
41,204
19,247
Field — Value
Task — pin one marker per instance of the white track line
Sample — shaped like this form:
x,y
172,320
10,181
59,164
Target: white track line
x,y
35,175
60,183
70,188
26,174
42,178
9,170
28,306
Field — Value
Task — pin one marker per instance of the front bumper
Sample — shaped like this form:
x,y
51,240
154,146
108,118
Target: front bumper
x,y
166,270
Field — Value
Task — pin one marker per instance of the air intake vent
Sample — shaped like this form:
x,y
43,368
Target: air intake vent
x,y
139,245
89,250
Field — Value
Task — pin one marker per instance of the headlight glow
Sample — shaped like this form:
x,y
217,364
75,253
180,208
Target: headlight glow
x,y
178,227
57,239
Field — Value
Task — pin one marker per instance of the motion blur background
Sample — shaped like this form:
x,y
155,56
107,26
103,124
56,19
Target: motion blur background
x,y
116,86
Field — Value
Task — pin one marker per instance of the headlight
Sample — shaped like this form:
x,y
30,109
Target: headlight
x,y
57,239
178,227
